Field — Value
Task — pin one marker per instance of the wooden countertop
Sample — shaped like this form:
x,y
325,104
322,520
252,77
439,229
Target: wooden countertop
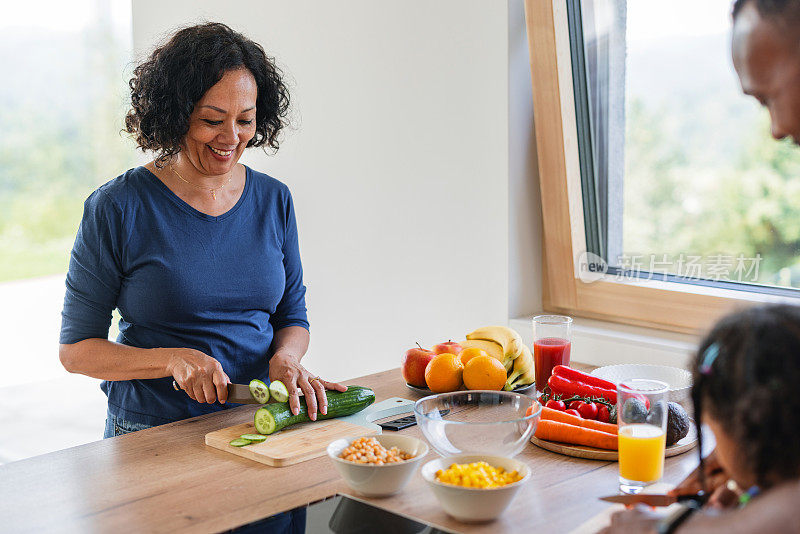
x,y
165,479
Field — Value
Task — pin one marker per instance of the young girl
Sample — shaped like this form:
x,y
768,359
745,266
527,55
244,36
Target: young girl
x,y
747,391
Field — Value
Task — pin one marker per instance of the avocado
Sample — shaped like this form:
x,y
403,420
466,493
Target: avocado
x,y
677,423
634,411
656,413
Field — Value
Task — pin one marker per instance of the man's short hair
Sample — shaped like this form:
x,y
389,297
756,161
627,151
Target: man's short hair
x,y
780,9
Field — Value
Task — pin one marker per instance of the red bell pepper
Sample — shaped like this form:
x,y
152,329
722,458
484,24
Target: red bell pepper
x,y
573,374
563,386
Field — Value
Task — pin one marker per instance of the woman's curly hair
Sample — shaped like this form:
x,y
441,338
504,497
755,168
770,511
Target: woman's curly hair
x,y
751,387
166,87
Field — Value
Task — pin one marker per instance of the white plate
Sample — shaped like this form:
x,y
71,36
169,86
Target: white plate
x,y
525,390
679,380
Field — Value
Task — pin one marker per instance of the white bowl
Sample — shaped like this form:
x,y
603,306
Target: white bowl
x,y
379,480
473,505
679,380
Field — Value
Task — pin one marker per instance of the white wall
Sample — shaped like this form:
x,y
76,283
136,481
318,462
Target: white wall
x,y
399,164
525,211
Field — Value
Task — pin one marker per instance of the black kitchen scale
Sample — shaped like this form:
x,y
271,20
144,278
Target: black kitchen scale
x,y
339,514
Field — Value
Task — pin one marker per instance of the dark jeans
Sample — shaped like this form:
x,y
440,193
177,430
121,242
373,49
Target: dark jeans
x,y
117,427
291,522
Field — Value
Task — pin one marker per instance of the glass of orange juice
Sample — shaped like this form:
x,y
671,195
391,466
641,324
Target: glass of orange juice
x,y
642,418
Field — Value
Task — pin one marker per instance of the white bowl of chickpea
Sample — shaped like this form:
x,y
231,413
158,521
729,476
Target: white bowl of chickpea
x,y
489,491
377,466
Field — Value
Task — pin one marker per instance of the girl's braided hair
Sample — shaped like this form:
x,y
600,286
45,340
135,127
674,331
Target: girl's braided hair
x,y
751,387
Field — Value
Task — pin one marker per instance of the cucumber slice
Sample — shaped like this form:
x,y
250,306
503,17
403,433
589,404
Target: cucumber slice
x,y
259,391
239,442
264,421
278,390
255,438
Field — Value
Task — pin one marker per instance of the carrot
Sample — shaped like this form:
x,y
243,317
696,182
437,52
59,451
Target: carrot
x,y
556,431
556,415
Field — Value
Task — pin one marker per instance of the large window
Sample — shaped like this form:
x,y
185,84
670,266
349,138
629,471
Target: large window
x,y
61,110
62,104
681,179
651,159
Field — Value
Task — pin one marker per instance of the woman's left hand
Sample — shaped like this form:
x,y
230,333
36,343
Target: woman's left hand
x,y
287,368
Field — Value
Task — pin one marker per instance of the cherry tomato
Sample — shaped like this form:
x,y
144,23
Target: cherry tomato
x,y
556,405
574,405
603,415
573,412
588,410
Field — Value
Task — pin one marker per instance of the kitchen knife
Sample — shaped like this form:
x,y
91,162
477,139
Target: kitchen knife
x,y
238,393
652,499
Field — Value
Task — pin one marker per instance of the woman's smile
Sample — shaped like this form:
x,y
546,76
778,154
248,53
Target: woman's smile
x,y
221,154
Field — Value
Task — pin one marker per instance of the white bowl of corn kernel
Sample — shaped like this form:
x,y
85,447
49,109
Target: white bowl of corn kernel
x,y
472,491
377,466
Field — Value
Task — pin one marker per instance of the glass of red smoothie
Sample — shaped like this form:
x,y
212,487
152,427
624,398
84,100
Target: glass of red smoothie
x,y
552,343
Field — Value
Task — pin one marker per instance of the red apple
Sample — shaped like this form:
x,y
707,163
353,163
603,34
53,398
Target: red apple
x,y
450,347
413,365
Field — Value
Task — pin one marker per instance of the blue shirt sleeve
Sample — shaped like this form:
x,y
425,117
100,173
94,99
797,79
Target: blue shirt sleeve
x,y
291,310
95,272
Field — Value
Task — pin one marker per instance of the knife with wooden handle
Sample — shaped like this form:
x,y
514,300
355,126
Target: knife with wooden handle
x,y
237,393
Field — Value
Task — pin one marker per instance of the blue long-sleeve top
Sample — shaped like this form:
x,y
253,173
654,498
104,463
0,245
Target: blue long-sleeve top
x,y
181,278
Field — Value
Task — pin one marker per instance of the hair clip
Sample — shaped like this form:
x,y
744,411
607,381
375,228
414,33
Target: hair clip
x,y
709,357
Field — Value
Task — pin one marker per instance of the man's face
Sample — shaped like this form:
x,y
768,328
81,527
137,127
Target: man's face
x,y
766,56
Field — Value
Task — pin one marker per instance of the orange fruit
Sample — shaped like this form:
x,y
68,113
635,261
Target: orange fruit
x,y
443,373
484,372
467,354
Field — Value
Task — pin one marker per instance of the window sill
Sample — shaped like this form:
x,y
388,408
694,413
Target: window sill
x,y
604,343
746,294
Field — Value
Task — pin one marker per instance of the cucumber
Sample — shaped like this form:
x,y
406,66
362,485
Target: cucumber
x,y
239,442
274,417
255,438
278,391
259,391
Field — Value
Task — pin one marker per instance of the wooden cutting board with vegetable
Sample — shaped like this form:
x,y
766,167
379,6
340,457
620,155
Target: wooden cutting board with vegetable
x,y
276,437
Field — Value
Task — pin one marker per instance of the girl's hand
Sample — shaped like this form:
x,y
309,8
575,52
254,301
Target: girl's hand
x,y
716,478
199,375
286,368
725,497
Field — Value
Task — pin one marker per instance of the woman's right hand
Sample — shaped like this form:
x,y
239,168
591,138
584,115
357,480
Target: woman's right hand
x,y
199,375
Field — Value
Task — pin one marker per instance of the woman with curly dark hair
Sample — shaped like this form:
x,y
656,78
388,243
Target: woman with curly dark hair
x,y
198,252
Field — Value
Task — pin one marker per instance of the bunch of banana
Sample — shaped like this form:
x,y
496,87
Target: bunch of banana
x,y
491,348
523,372
516,355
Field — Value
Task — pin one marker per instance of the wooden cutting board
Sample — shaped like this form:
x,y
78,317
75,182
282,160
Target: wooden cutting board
x,y
592,453
307,440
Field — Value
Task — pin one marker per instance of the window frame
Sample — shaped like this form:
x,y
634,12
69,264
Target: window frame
x,y
673,306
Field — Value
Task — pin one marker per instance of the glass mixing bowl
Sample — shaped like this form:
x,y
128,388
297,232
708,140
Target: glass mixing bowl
x,y
477,422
